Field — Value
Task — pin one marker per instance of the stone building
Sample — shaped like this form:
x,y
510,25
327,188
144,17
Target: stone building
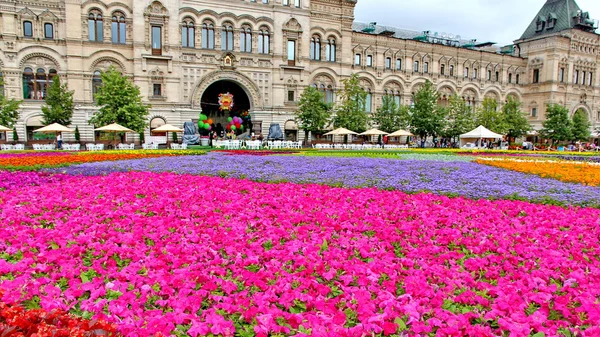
x,y
184,53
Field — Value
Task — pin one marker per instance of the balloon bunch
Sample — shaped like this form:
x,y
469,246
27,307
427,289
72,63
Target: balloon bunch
x,y
205,123
235,123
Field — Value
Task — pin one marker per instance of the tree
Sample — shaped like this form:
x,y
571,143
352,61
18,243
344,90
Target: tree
x,y
350,114
9,109
460,118
427,116
175,139
557,125
313,113
390,117
580,129
121,102
515,121
59,104
15,135
489,116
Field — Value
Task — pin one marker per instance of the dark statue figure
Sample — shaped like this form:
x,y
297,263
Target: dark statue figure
x,y
275,132
190,136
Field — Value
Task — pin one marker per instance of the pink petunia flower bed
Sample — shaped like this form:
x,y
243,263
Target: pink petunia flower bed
x,y
167,254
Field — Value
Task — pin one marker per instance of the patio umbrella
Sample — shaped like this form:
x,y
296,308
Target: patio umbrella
x,y
340,132
167,128
374,132
54,128
114,128
401,133
5,130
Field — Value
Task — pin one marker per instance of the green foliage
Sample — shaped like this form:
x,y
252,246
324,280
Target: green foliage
x,y
142,137
175,140
350,114
390,117
580,126
427,116
9,109
77,134
460,117
15,135
121,102
557,125
59,104
489,116
515,121
313,113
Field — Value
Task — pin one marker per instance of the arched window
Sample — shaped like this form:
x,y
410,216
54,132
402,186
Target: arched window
x,y
517,79
95,27
208,36
188,34
315,48
510,78
48,31
416,67
118,28
489,75
35,84
466,71
451,70
357,59
96,83
27,29
263,41
398,64
388,63
246,40
426,67
227,37
443,69
330,52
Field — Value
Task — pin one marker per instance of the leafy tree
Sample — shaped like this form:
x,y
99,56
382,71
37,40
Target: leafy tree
x,y
557,125
459,119
350,114
59,104
489,116
313,113
142,138
580,126
15,135
427,116
514,119
175,139
9,109
390,117
121,102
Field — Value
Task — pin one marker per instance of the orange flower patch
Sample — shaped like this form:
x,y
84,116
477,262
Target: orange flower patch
x,y
573,172
61,159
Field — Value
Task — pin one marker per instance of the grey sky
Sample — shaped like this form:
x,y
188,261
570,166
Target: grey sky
x,y
485,20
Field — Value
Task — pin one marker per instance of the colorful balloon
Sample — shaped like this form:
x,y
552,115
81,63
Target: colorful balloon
x,y
203,117
209,121
229,119
233,127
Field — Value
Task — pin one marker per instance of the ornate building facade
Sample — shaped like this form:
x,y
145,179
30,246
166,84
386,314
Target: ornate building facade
x,y
183,53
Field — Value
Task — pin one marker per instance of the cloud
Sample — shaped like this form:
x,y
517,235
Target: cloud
x,y
485,20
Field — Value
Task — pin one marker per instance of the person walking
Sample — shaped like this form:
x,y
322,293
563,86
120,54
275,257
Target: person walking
x,y
59,141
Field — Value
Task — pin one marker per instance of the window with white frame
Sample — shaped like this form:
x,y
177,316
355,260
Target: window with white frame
x,y
208,35
357,60
398,64
330,52
118,28
188,34
416,67
264,41
388,63
95,26
227,37
246,40
315,48
369,60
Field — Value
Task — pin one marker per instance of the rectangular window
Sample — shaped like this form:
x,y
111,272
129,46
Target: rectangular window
x,y
369,61
157,90
416,67
398,64
442,70
286,2
48,31
509,78
497,77
368,102
291,97
536,76
475,73
489,75
27,29
466,72
451,70
517,79
357,59
297,3
576,77
561,75
291,52
426,67
534,112
388,63
590,79
156,40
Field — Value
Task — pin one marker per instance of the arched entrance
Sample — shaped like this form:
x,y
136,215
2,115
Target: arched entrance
x,y
209,103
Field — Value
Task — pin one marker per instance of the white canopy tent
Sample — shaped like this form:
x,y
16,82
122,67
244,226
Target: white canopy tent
x,y
478,134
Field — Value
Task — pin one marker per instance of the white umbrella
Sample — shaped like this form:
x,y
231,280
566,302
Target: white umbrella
x,y
114,128
340,132
54,128
167,128
5,130
401,133
374,132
